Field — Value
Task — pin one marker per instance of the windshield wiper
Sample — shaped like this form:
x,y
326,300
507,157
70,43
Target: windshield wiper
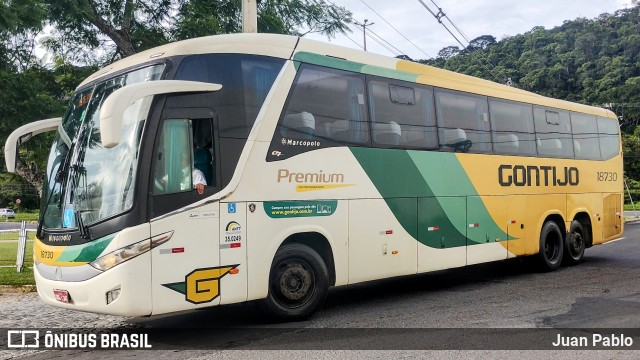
x,y
57,179
84,231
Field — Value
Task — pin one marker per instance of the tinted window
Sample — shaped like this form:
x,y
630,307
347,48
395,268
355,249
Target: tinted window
x,y
402,115
246,81
585,136
553,132
512,128
609,139
326,107
463,122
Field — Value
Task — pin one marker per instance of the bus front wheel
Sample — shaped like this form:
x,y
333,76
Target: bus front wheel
x,y
298,283
551,246
574,244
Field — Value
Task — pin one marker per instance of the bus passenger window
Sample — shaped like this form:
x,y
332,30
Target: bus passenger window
x,y
553,133
401,114
585,136
461,111
326,108
512,129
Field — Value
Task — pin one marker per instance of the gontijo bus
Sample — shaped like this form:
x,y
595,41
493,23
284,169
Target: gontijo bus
x,y
325,166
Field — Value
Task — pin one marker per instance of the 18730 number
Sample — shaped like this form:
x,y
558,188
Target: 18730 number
x,y
607,176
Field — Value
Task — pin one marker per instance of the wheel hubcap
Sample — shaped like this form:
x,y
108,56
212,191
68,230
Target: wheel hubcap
x,y
295,283
576,243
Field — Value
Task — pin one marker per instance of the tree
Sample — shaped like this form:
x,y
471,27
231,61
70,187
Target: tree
x,y
481,42
133,26
448,52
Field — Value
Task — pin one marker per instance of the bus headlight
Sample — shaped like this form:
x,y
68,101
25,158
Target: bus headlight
x,y
119,256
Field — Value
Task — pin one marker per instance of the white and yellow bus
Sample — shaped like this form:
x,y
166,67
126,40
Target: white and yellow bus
x,y
325,166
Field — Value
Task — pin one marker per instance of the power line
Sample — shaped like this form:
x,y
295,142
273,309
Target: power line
x,y
439,16
398,31
400,52
381,43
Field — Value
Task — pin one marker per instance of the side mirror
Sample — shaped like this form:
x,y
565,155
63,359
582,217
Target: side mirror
x,y
114,106
25,132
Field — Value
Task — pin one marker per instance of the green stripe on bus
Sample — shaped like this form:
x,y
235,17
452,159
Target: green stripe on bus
x,y
86,252
346,65
443,199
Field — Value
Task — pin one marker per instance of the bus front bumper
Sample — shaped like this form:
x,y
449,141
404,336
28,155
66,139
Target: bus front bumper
x,y
132,278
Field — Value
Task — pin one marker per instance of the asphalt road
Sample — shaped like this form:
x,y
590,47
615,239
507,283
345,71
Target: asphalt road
x,y
12,225
602,292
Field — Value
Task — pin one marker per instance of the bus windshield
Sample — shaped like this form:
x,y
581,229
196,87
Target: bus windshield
x,y
85,182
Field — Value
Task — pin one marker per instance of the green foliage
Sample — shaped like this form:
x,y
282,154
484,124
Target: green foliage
x,y
210,17
592,61
13,187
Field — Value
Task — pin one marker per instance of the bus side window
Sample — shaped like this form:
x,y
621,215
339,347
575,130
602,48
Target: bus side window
x,y
402,114
512,129
553,133
456,111
326,108
203,152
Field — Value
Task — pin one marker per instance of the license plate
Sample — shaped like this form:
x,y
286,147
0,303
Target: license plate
x,y
61,295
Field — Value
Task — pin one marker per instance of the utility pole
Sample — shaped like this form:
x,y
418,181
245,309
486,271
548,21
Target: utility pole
x,y
249,16
364,31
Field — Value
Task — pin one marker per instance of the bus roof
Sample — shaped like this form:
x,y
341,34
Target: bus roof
x,y
321,53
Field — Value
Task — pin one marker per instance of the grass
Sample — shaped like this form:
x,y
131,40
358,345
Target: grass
x,y
9,276
628,207
8,253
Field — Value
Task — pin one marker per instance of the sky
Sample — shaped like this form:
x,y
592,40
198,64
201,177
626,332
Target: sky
x,y
474,18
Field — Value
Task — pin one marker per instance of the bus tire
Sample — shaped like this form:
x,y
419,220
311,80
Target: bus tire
x,y
574,244
551,247
298,283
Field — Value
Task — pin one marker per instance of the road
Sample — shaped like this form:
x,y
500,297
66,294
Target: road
x,y
602,292
12,225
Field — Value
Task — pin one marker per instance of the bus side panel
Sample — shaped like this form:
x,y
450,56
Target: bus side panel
x,y
186,270
612,216
486,232
442,237
273,222
379,246
519,221
233,251
592,205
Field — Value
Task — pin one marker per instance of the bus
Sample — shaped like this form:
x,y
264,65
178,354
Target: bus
x,y
324,166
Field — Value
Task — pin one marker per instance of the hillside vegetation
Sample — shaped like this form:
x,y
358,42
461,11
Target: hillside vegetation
x,y
590,61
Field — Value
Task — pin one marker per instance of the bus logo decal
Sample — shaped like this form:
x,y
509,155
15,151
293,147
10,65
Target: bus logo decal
x,y
312,181
201,285
520,175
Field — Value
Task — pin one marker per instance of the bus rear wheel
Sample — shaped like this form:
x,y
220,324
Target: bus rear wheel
x,y
298,283
574,244
551,247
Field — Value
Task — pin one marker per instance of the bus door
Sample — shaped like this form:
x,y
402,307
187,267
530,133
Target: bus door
x,y
186,269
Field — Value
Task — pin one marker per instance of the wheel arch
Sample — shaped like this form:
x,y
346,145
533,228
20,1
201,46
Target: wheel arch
x,y
550,216
585,220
